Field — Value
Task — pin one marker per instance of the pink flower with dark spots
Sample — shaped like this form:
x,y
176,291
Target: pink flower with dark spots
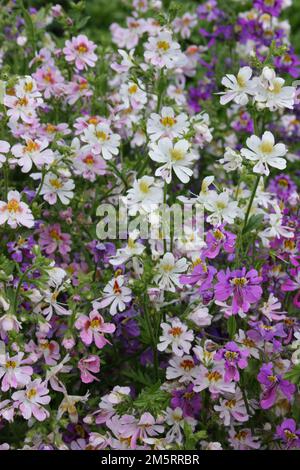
x,y
81,51
93,329
88,365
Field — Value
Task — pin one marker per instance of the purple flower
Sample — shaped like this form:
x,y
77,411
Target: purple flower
x,y
186,399
283,186
21,249
272,383
234,357
273,7
217,239
101,251
52,239
242,286
288,432
202,276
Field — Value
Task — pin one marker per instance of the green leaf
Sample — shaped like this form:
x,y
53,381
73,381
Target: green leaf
x,y
231,326
294,375
254,223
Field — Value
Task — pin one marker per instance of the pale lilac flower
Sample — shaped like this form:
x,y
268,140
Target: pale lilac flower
x,y
15,212
32,399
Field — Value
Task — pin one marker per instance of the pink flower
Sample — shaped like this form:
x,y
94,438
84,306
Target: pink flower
x,y
13,373
88,365
15,212
93,328
81,51
52,240
49,80
30,401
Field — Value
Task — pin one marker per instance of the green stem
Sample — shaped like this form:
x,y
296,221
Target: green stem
x,y
251,202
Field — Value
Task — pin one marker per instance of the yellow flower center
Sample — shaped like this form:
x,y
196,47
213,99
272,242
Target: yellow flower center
x,y
95,323
230,355
56,183
144,187
82,49
31,393
168,121
214,376
241,81
176,155
28,87
167,267
133,89
10,365
54,234
163,46
230,403
266,147
101,135
187,364
13,206
89,160
239,281
31,146
175,331
289,435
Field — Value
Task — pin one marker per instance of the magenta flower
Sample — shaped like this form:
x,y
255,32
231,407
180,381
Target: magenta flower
x,y
273,383
88,365
52,240
201,276
81,51
234,358
288,432
216,240
93,328
243,287
293,285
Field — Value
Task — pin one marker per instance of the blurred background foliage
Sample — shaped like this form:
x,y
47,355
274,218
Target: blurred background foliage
x,y
104,12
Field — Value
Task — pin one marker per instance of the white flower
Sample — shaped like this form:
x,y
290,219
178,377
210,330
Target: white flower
x,y
15,212
133,95
213,379
232,408
101,140
232,160
174,157
116,295
265,152
34,151
177,336
55,186
167,124
271,92
133,248
270,309
176,420
183,369
239,87
200,316
276,229
221,207
144,195
169,272
161,51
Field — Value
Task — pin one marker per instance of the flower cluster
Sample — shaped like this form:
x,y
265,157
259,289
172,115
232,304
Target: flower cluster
x,y
184,336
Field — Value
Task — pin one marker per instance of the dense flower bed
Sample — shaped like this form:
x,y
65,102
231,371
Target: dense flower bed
x,y
114,338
